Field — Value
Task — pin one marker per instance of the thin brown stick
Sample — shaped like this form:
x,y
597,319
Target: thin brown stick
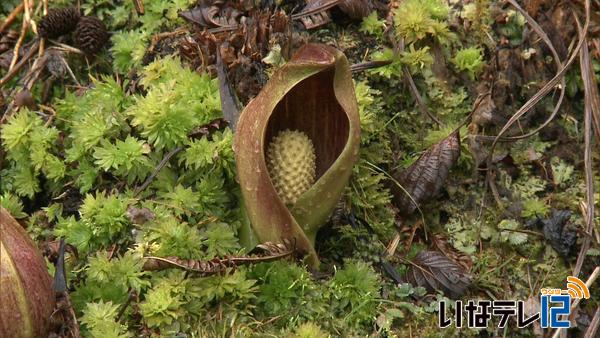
x,y
590,87
586,71
359,67
576,302
296,16
139,6
549,85
75,327
156,38
536,27
583,207
11,18
36,69
399,48
593,328
157,170
418,98
393,245
541,93
9,75
24,28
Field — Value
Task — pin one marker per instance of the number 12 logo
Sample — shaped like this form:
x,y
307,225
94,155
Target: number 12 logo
x,y
550,314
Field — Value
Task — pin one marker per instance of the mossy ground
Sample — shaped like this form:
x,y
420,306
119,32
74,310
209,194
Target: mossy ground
x,y
73,171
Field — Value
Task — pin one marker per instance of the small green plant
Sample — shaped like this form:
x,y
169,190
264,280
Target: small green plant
x,y
418,19
177,101
128,50
286,288
562,173
110,280
507,233
164,302
13,204
31,148
99,320
125,159
372,25
355,292
534,208
469,60
103,221
416,59
309,330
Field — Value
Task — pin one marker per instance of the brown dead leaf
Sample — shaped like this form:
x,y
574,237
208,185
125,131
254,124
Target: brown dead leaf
x,y
268,252
356,9
212,14
424,178
436,272
441,243
229,102
315,13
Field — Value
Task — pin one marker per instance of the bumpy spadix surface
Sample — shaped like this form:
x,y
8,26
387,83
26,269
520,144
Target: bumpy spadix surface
x,y
291,164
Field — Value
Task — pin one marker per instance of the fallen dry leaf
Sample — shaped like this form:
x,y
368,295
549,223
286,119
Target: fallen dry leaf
x,y
434,271
424,178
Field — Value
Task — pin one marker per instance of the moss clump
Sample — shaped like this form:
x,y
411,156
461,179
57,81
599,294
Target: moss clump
x,y
291,164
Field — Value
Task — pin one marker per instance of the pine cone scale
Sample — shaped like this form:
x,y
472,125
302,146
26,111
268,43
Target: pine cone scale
x,y
58,22
91,35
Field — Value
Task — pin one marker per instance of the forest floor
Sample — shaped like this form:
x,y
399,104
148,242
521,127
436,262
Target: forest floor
x,y
477,176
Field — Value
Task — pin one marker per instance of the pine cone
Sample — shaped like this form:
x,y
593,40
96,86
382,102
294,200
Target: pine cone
x,y
58,22
91,34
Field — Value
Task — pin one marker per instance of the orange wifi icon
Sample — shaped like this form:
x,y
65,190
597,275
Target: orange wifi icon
x,y
576,288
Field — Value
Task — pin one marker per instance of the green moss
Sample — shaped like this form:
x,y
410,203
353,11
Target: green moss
x,y
469,60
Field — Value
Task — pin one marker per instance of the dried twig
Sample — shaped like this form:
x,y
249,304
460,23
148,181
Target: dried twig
x,y
586,72
399,48
217,265
156,38
139,6
297,16
549,85
592,97
536,27
393,245
10,74
157,170
593,328
575,303
359,67
11,18
24,29
542,92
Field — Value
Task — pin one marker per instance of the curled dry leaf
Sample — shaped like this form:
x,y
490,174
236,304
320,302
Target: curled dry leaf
x,y
434,271
424,178
315,13
462,259
269,252
206,130
356,9
229,102
212,14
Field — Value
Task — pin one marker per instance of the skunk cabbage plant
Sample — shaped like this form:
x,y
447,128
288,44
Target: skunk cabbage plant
x,y
295,146
26,299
